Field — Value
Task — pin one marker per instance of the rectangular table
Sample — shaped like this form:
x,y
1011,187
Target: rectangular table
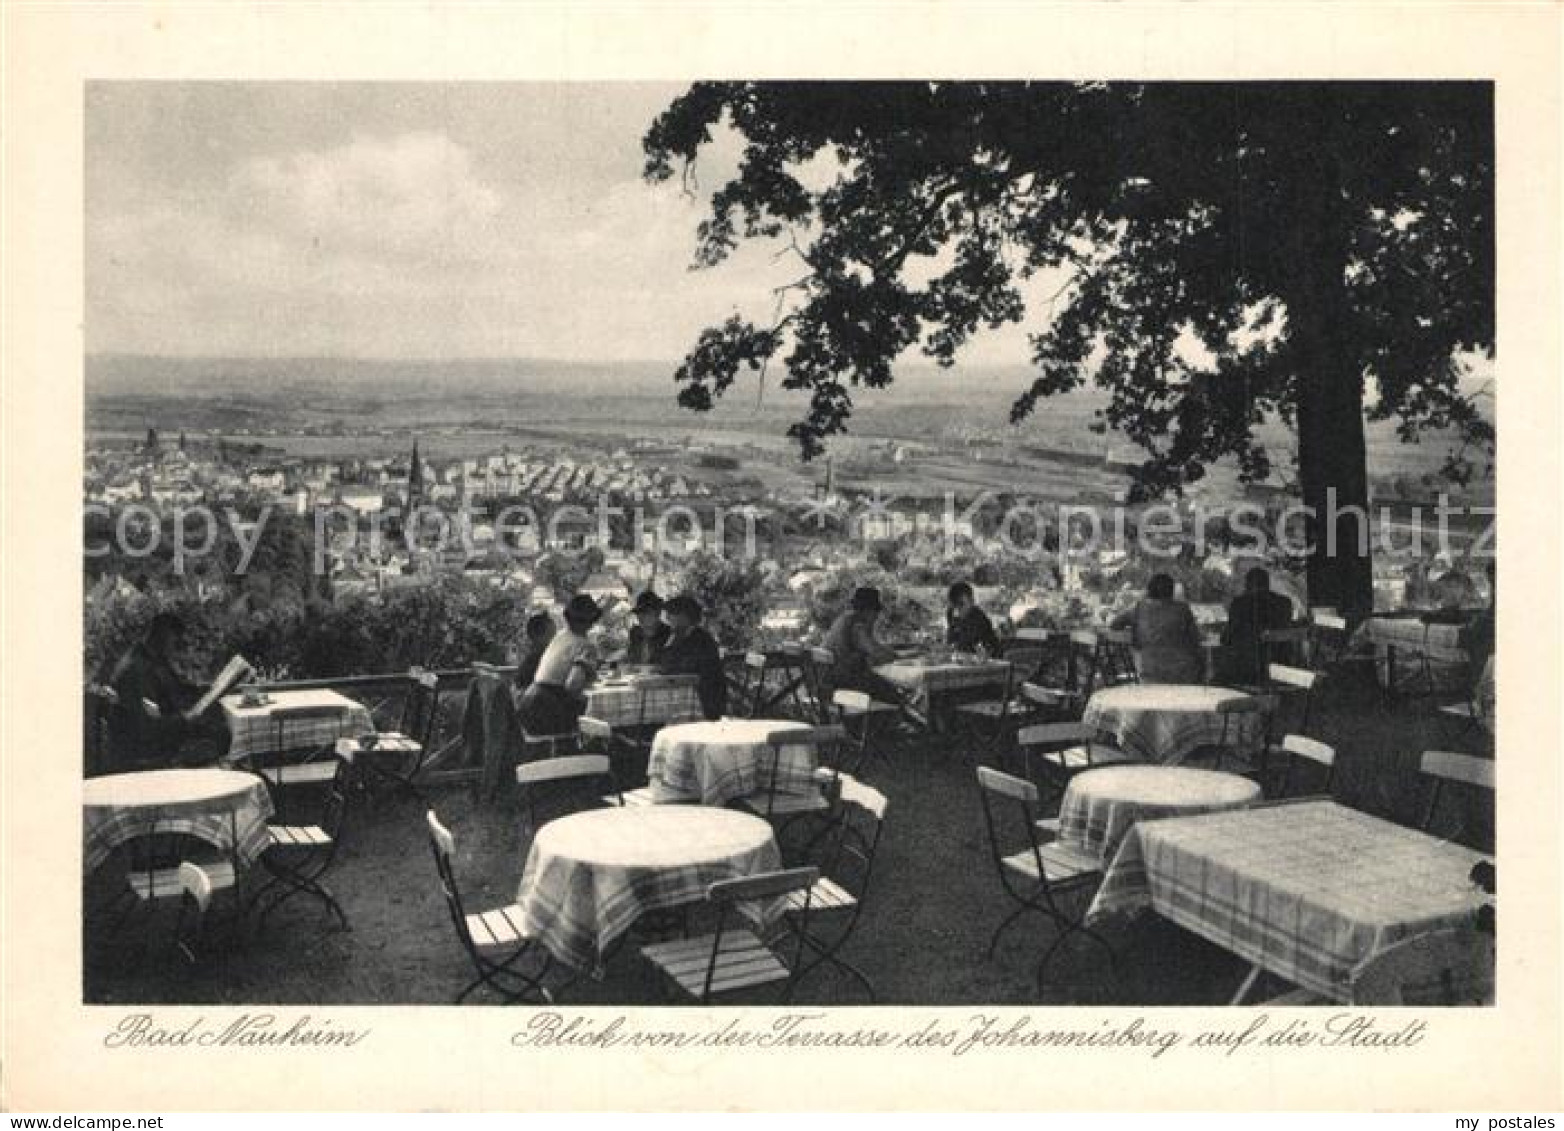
x,y
252,730
637,701
1307,890
929,678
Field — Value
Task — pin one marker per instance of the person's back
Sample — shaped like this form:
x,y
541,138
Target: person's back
x,y
843,641
1251,614
1166,640
695,652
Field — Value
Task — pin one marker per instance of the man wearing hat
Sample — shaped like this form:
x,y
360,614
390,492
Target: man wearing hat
x,y
553,703
857,651
649,634
691,650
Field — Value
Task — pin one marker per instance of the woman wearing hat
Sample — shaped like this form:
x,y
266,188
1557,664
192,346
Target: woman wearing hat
x,y
569,665
692,650
649,634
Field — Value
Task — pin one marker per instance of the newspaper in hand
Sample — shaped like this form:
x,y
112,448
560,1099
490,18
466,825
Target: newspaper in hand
x,y
236,669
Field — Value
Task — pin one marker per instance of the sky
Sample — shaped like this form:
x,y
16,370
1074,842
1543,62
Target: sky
x,y
402,221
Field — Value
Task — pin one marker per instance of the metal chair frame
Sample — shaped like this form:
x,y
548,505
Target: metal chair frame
x,y
724,897
1043,899
500,976
849,862
296,869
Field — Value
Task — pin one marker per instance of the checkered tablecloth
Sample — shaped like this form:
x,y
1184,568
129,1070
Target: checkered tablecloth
x,y
718,762
252,730
932,676
225,808
1099,806
591,875
668,699
1306,891
1163,722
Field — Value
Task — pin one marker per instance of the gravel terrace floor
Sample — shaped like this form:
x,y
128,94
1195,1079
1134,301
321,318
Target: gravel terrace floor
x,y
934,901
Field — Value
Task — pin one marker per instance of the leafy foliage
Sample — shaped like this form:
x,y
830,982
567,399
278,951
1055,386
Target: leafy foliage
x,y
1229,252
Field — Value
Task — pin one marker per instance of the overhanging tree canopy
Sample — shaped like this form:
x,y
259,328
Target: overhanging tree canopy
x,y
1234,250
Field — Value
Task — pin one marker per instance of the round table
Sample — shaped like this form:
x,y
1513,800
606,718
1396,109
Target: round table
x,y
589,876
225,808
721,761
1099,806
1163,722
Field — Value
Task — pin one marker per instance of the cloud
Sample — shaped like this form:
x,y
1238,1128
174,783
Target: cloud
x,y
415,194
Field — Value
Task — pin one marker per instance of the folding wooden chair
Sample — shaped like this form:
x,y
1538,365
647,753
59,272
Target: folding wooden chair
x,y
837,897
1115,661
496,941
858,714
303,756
98,706
579,779
819,666
1296,748
599,738
297,856
1443,768
788,808
397,757
1039,876
989,717
1064,750
734,957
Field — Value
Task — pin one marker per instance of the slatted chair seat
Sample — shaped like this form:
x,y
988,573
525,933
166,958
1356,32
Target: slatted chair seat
x,y
298,836
495,940
825,895
733,957
1048,825
297,856
1082,758
633,798
301,773
789,804
742,961
1063,865
499,932
390,741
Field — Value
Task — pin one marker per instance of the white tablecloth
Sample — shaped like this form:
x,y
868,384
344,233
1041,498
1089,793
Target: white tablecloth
x,y
930,676
226,808
1306,891
591,875
252,730
718,762
1163,722
1099,806
628,702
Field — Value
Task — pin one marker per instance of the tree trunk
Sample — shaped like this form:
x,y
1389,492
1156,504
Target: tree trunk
x,y
1332,456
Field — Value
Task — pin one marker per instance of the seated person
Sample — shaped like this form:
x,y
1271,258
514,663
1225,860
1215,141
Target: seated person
x,y
147,726
1252,613
539,631
649,634
554,701
691,650
967,627
1164,635
1477,637
856,651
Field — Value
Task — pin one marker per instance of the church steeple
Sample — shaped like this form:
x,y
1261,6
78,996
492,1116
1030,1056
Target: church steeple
x,y
415,476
